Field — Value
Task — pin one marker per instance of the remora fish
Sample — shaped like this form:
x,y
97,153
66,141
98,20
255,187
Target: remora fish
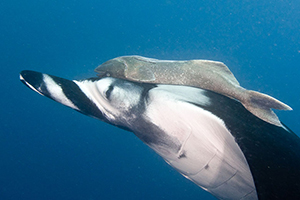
x,y
209,138
205,74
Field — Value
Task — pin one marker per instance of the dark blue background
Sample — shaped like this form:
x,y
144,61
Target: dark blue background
x,y
48,151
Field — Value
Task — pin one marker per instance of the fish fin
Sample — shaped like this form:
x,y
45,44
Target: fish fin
x,y
261,105
217,68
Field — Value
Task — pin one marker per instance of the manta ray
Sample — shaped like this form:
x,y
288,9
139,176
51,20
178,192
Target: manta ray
x,y
208,137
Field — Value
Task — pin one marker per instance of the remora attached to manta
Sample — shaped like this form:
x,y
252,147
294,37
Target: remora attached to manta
x,y
205,74
209,138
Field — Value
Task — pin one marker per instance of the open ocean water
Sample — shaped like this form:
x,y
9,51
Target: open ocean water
x,y
50,152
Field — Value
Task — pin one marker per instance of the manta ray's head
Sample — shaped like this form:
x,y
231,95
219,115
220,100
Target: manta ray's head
x,y
109,99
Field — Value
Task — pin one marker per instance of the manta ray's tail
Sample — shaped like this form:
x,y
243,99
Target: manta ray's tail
x,y
261,105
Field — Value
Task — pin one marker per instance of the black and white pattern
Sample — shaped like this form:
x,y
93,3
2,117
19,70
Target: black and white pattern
x,y
209,138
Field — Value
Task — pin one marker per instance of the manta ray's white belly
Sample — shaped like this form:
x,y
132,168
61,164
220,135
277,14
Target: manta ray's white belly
x,y
209,155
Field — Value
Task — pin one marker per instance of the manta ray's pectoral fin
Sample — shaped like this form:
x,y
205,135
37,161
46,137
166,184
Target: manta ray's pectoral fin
x,y
261,106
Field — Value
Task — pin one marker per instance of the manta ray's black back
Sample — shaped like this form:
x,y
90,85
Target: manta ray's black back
x,y
272,152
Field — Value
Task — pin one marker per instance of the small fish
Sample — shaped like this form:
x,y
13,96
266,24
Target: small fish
x,y
205,74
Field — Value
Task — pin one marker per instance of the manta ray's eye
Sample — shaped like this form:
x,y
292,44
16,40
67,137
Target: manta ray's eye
x,y
108,91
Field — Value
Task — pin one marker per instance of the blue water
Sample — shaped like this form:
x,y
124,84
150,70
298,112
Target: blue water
x,y
48,151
